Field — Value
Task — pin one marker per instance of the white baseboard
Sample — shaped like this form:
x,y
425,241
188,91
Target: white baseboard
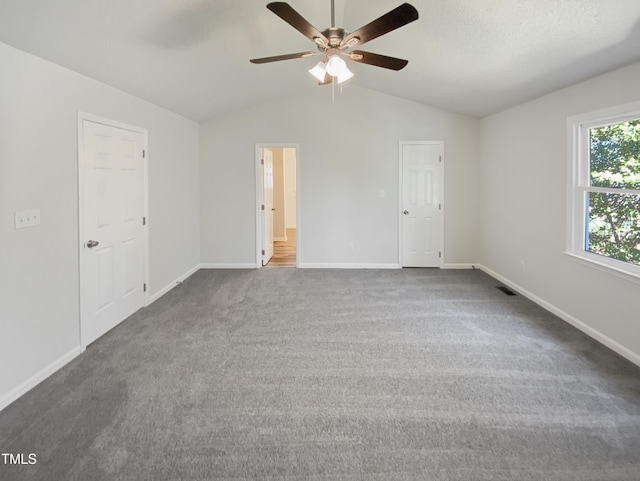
x,y
157,295
457,266
280,239
217,265
565,316
330,265
40,376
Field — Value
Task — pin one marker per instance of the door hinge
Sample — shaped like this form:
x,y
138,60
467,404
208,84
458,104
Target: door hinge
x,y
262,206
262,251
144,287
261,161
440,158
144,153
439,206
440,254
144,220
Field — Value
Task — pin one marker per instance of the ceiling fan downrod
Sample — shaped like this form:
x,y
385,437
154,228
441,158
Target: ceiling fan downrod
x,y
333,14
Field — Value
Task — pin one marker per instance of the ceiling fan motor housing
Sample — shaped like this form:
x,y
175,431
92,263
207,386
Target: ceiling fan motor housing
x,y
335,36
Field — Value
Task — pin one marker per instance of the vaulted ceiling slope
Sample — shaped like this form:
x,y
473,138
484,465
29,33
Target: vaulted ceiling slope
x,y
475,57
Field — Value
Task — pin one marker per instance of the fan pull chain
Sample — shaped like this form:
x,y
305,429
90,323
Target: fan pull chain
x,y
333,90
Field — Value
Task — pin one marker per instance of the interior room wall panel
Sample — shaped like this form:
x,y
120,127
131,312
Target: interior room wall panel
x,y
524,205
348,175
39,303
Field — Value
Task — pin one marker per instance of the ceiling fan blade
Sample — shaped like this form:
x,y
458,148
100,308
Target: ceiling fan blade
x,y
396,18
293,18
378,60
289,56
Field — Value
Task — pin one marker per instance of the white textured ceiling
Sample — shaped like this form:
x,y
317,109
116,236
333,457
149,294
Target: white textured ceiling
x,y
475,57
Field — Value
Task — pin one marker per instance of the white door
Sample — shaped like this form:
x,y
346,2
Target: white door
x,y
421,204
267,202
112,250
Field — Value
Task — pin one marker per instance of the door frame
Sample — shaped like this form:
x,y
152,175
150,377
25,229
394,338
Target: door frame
x,y
401,144
82,116
259,194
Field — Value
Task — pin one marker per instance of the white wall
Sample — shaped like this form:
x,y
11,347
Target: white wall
x,y
524,192
348,153
290,187
279,228
39,313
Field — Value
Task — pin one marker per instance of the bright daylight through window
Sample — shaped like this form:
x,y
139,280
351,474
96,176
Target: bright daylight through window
x,y
605,191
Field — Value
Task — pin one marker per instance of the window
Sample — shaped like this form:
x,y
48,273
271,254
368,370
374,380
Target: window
x,y
604,191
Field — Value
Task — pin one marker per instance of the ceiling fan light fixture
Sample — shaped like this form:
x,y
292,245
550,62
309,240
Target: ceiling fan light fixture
x,y
345,75
319,71
336,65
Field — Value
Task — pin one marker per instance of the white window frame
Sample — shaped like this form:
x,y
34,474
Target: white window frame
x,y
578,178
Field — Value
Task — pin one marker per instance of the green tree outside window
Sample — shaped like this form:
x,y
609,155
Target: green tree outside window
x,y
614,217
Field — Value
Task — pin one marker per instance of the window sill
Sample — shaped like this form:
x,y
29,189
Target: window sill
x,y
630,274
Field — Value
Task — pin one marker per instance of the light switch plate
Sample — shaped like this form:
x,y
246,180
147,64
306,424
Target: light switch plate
x,y
27,218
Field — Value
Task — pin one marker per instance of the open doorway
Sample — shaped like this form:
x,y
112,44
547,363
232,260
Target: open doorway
x,y
277,208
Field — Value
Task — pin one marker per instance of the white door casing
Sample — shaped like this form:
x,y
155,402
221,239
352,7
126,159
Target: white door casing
x,y
421,203
260,187
267,202
112,208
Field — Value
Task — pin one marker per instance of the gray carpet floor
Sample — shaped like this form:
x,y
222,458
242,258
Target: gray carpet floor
x,y
290,374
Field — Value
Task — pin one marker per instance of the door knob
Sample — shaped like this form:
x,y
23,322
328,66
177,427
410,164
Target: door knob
x,y
406,212
92,243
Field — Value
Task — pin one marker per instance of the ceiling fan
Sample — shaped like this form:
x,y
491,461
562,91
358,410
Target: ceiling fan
x,y
335,42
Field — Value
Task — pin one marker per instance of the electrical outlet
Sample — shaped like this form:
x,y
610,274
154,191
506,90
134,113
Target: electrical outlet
x,y
27,218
